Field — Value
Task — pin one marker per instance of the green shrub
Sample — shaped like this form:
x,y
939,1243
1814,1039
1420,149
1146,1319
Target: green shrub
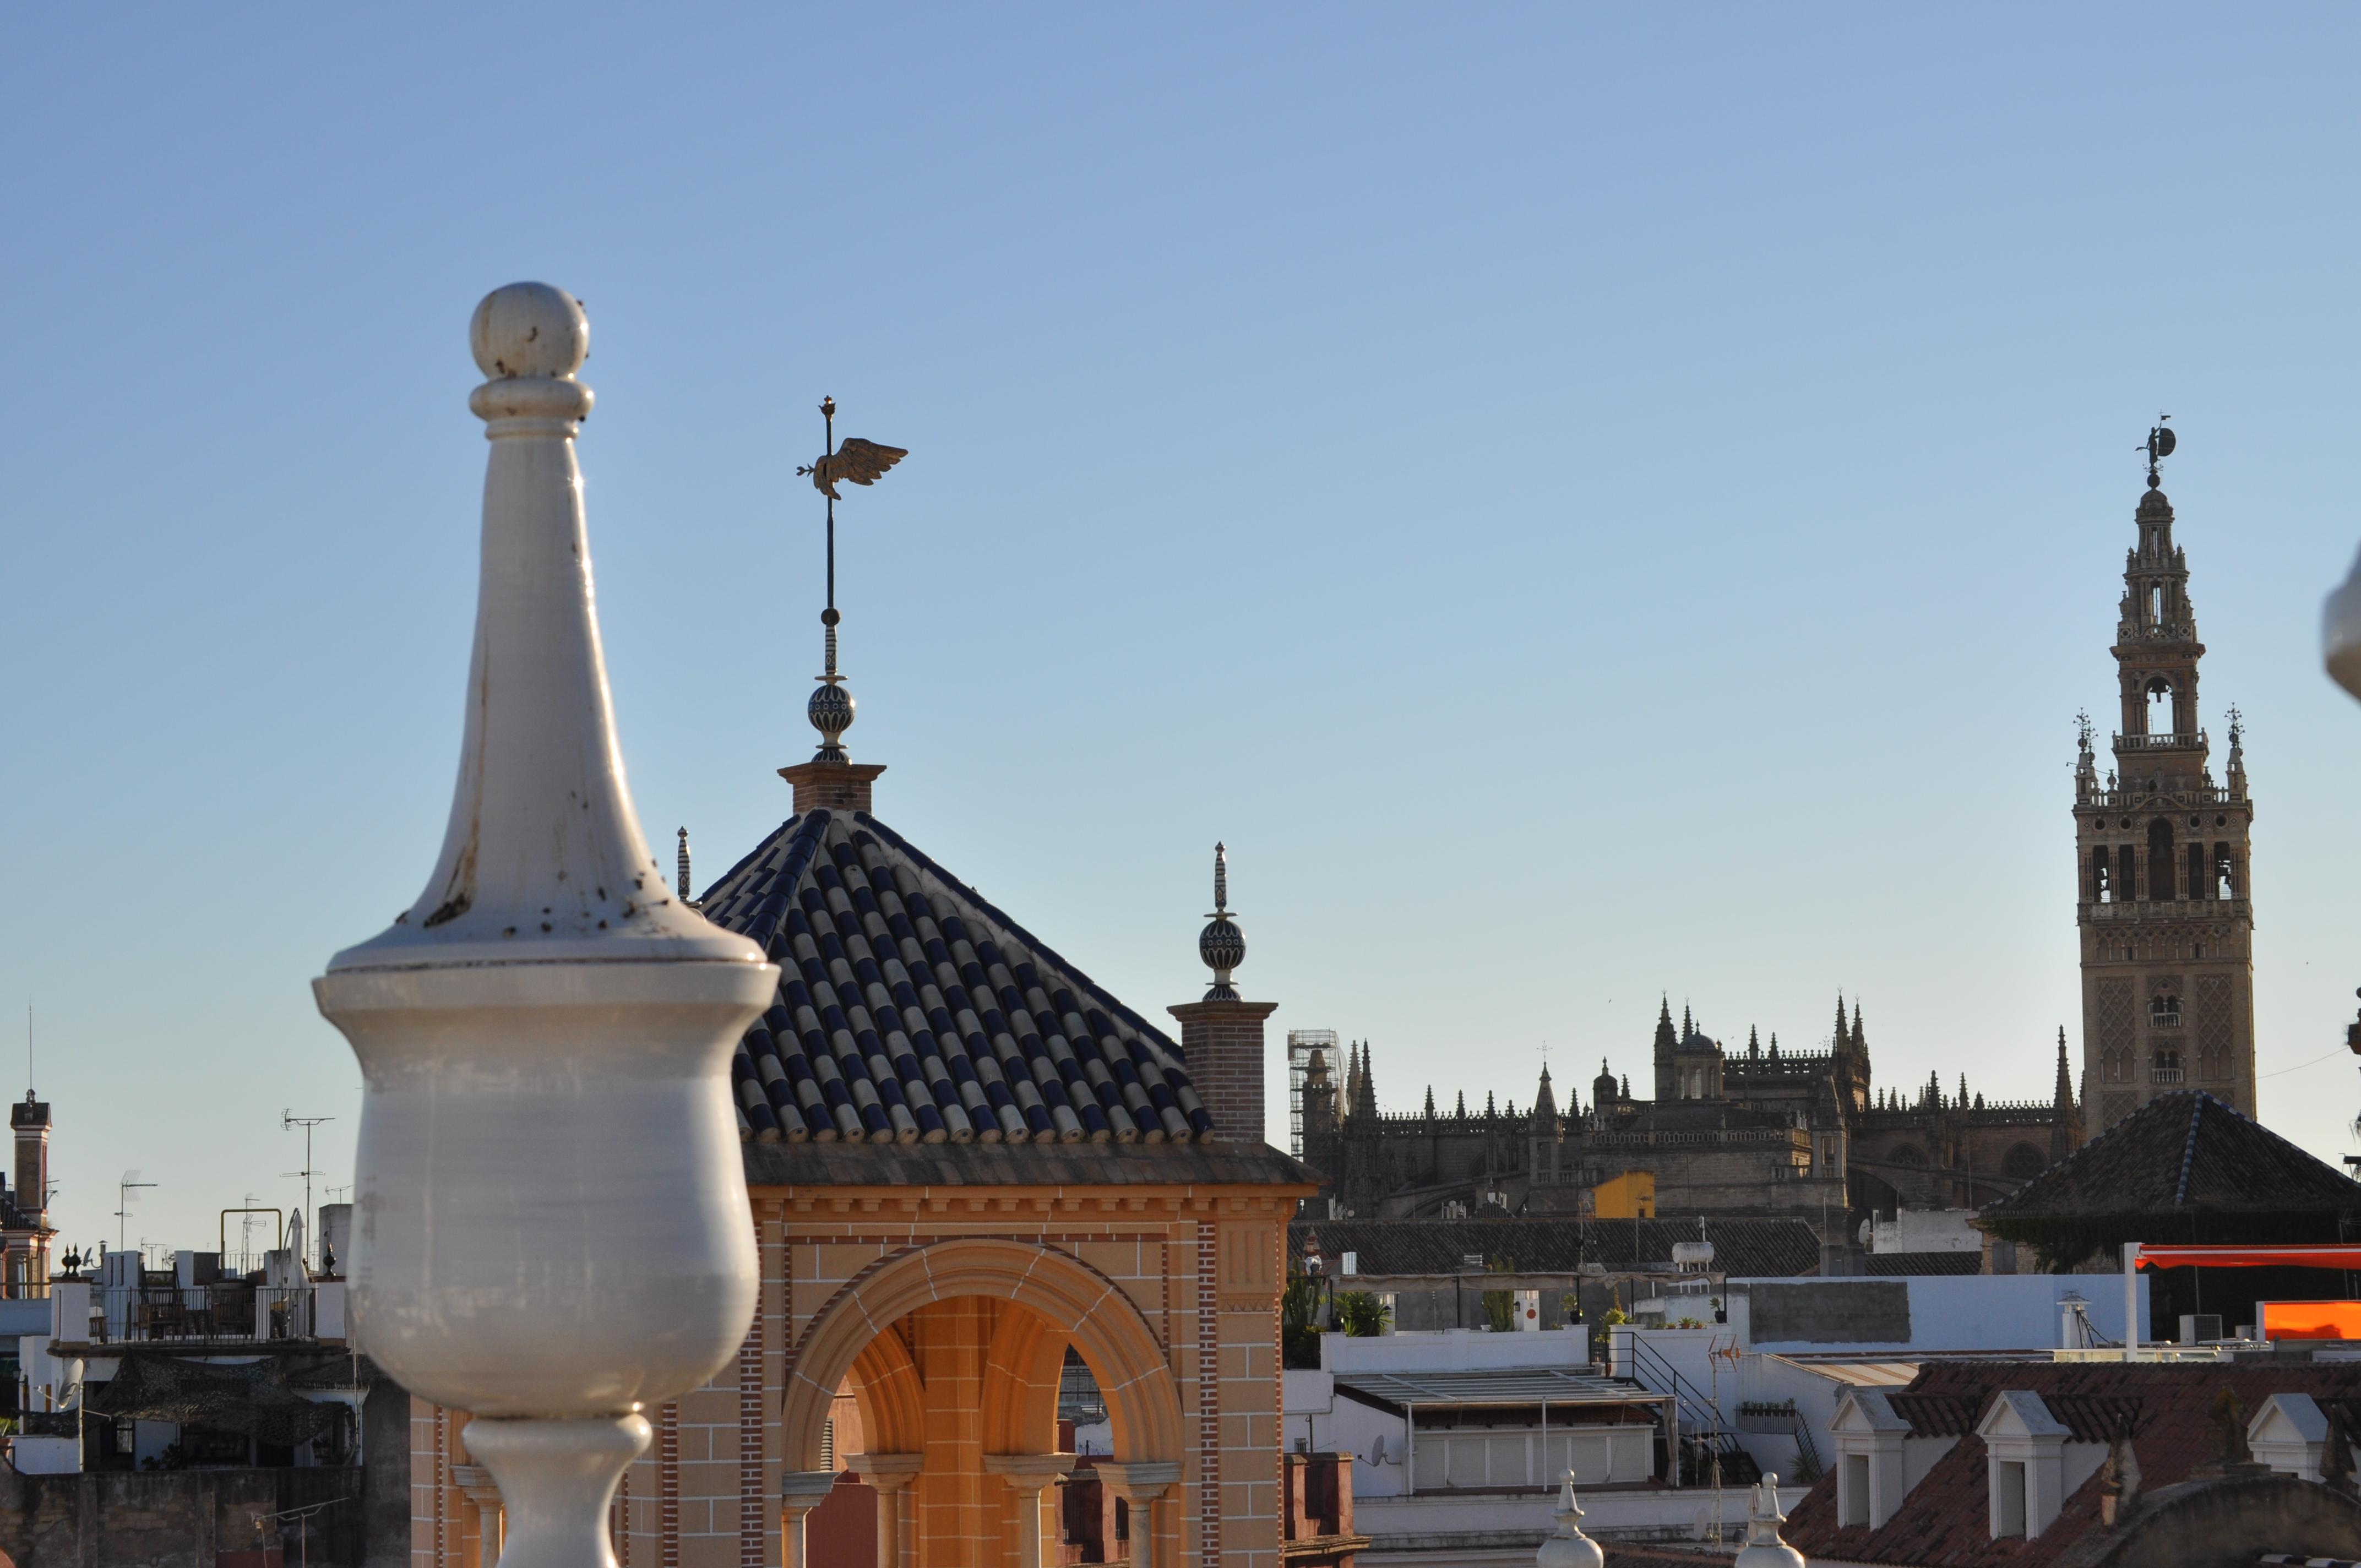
x,y
1360,1314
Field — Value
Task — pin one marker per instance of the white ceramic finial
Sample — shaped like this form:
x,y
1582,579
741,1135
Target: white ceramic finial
x,y
529,329
1764,1548
1567,1547
553,1228
2340,633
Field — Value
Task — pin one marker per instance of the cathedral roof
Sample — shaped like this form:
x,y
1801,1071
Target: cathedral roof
x,y
911,1011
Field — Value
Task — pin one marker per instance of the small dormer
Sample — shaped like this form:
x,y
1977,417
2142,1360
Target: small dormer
x,y
1870,1477
2026,1453
2289,1433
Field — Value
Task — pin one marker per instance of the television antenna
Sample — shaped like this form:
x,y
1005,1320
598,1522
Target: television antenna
x,y
125,1190
287,1123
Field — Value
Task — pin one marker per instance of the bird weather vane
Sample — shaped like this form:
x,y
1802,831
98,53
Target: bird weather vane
x,y
856,462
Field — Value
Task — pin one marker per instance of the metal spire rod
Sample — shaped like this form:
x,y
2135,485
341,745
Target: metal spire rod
x,y
829,617
830,709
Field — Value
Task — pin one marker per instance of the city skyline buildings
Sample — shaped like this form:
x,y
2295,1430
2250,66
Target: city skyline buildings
x,y
1708,445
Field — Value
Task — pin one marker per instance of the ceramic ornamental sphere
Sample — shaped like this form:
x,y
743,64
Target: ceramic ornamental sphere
x,y
830,711
529,329
1222,945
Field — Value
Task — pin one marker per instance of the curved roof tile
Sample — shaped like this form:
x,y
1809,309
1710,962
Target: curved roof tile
x,y
911,1010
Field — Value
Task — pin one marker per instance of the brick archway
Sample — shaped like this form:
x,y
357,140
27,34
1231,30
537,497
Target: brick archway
x,y
1105,1326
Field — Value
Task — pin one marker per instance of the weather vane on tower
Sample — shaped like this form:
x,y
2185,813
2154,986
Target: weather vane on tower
x,y
2159,447
860,462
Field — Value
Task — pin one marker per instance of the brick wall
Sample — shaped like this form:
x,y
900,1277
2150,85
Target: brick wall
x,y
1224,1046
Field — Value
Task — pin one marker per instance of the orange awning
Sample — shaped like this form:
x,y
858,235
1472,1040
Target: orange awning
x,y
2325,1256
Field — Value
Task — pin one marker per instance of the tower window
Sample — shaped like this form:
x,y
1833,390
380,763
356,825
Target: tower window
x,y
2164,1012
2103,887
2197,871
2159,707
2159,859
2156,604
2225,872
2165,1067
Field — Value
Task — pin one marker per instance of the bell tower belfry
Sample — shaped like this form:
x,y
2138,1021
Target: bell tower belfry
x,y
2164,912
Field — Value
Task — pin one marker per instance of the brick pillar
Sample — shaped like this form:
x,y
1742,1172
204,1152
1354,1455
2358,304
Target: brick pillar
x,y
835,787
1223,1041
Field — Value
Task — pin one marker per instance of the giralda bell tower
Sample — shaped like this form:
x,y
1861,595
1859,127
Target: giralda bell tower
x,y
2166,913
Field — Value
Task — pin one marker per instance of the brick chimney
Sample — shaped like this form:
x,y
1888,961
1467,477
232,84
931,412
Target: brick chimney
x,y
1221,1035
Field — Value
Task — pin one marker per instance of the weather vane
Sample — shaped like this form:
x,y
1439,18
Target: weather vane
x,y
860,462
2159,447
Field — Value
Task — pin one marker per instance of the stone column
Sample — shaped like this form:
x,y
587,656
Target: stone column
x,y
485,1493
1031,1476
1140,1484
800,1491
891,1475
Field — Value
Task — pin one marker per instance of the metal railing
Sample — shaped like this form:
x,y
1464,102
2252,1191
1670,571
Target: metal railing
x,y
230,1312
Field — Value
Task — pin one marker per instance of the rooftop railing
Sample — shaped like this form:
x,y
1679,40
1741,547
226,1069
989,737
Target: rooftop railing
x,y
2185,740
239,1312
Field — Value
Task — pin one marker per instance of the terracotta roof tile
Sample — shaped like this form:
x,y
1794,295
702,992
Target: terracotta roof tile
x,y
1943,1521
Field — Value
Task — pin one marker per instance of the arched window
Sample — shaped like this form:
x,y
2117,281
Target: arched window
x,y
2024,1162
2166,1066
2225,872
2197,877
2164,1012
2159,859
2159,707
2103,887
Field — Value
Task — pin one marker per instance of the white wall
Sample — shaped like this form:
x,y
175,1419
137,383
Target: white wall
x,y
1454,1350
1925,1230
1968,1311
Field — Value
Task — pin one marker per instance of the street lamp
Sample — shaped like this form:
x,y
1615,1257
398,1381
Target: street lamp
x,y
553,1225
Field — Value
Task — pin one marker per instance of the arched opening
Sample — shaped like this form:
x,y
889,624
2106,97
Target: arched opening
x,y
2164,1012
2156,604
2225,872
1061,1299
2102,880
2023,1162
2159,708
2159,859
955,1355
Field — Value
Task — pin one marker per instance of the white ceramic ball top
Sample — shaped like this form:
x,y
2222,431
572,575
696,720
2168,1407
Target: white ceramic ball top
x,y
529,329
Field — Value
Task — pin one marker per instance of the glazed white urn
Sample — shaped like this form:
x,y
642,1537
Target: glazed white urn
x,y
553,1229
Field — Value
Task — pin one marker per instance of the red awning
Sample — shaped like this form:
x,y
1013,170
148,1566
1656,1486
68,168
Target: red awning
x,y
2320,1257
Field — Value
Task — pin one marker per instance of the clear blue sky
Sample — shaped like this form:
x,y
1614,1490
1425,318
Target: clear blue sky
x,y
1587,506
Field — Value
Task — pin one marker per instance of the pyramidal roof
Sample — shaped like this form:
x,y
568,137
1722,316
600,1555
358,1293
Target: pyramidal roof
x,y
2183,1151
911,1011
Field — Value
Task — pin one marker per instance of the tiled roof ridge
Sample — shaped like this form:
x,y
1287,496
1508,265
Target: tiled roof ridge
x,y
747,859
2189,1144
1170,1047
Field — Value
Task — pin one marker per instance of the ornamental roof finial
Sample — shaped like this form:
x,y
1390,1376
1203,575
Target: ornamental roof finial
x,y
861,462
2159,447
1221,944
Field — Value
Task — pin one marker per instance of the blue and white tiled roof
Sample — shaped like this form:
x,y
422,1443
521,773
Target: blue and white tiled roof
x,y
911,1011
